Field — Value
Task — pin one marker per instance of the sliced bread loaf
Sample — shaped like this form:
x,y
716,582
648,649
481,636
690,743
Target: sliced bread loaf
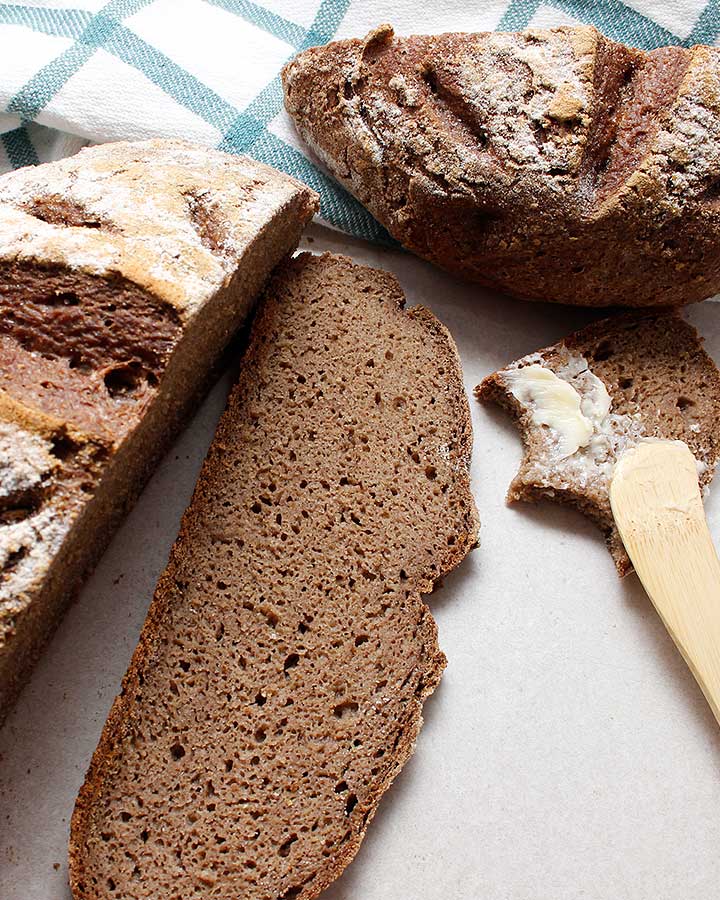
x,y
580,403
551,164
124,271
278,684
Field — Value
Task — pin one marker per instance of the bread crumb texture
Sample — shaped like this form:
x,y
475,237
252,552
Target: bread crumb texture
x,y
278,684
661,384
550,164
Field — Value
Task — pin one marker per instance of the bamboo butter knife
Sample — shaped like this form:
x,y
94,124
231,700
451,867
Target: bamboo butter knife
x,y
655,499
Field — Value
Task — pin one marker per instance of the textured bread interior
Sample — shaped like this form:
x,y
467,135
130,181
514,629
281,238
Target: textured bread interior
x,y
85,349
550,164
660,380
99,373
278,684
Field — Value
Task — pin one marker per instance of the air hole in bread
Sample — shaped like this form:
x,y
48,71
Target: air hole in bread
x,y
123,380
60,298
18,506
62,446
603,351
291,661
684,403
284,848
345,708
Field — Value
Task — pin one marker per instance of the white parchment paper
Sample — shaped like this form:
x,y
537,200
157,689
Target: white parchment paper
x,y
567,754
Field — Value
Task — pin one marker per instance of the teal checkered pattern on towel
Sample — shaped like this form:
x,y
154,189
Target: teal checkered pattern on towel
x,y
245,130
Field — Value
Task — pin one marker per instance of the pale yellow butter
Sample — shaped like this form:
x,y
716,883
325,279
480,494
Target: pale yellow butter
x,y
556,404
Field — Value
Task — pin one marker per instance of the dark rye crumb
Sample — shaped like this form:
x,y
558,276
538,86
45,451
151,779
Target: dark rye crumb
x,y
277,688
656,372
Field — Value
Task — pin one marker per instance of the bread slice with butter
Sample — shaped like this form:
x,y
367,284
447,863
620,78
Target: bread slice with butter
x,y
580,403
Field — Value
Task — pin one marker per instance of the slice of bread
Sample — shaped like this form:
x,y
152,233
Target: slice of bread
x,y
550,164
278,685
124,271
661,384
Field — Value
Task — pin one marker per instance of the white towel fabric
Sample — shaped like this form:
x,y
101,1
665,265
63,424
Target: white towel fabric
x,y
73,71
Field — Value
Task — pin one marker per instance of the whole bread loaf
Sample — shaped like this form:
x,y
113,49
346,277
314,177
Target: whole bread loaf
x,y
124,271
554,165
278,684
637,377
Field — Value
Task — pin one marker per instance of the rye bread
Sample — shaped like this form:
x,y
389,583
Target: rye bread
x,y
124,271
549,164
278,684
662,384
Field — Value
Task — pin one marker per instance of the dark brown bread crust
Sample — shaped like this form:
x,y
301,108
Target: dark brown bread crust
x,y
656,372
553,165
278,684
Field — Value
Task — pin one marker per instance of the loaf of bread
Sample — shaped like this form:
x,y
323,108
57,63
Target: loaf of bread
x,y
552,165
278,684
123,273
629,378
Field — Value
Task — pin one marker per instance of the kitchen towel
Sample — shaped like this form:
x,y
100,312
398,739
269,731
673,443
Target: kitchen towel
x,y
73,71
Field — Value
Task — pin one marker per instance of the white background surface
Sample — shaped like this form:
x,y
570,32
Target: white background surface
x,y
567,754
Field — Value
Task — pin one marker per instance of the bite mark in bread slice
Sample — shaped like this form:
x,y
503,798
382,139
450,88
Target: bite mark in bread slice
x,y
278,685
124,271
661,384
